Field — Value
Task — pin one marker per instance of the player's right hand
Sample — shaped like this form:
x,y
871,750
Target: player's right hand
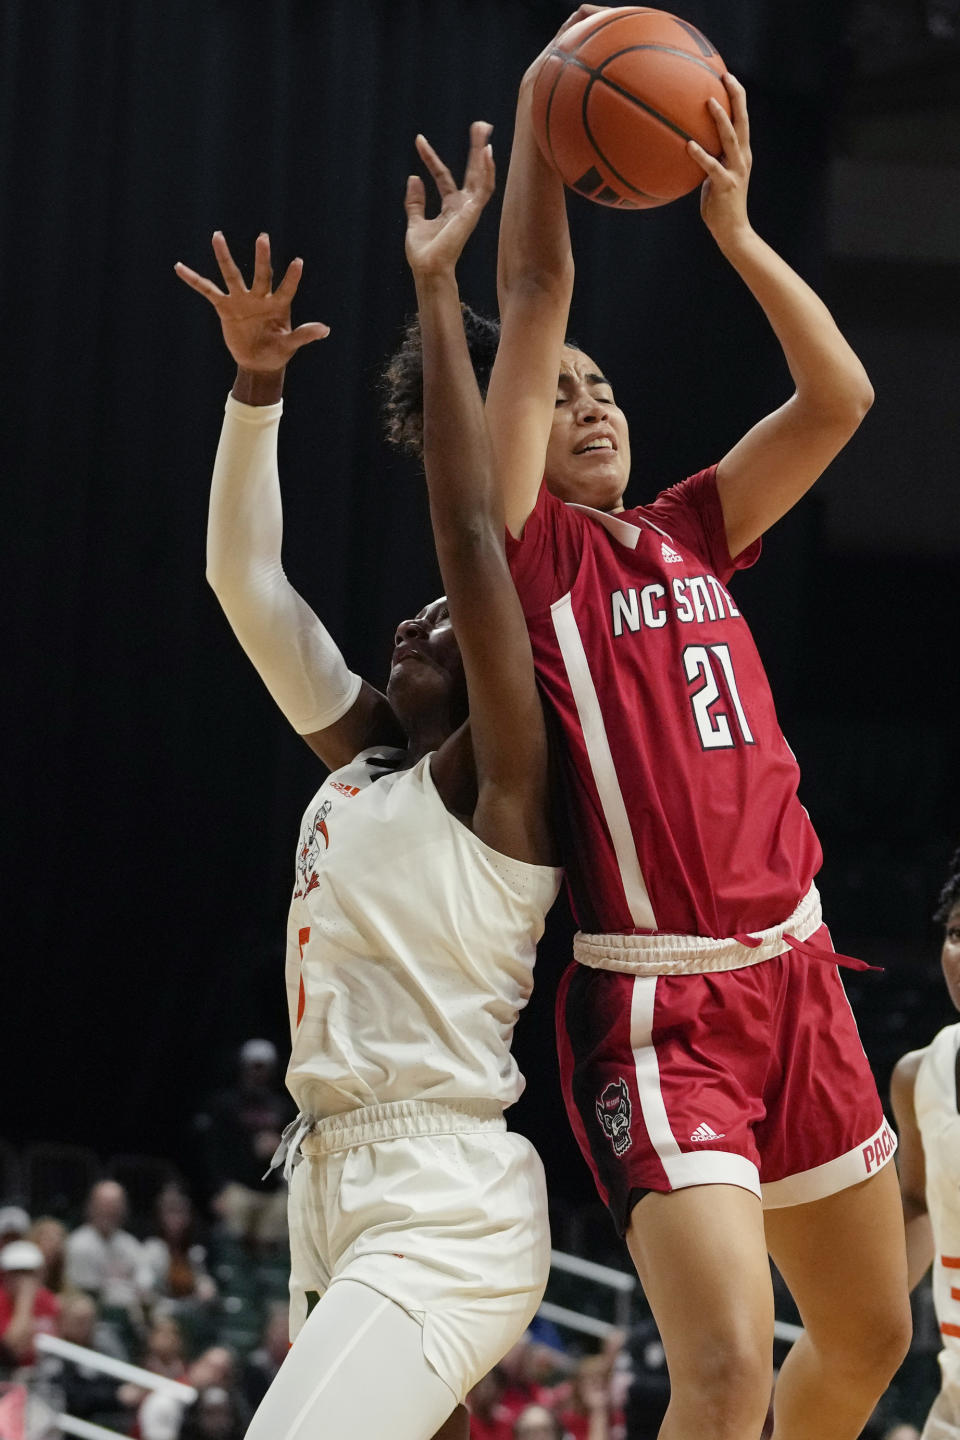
x,y
581,14
256,322
433,245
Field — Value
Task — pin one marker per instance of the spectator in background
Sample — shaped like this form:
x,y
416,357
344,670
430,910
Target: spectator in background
x,y
590,1411
50,1236
215,1415
163,1354
26,1306
649,1392
81,1324
14,1224
489,1417
105,1261
239,1131
176,1259
531,1368
262,1365
537,1422
86,1393
161,1417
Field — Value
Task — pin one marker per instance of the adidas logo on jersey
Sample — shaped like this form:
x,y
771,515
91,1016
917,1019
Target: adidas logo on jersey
x,y
669,554
704,1132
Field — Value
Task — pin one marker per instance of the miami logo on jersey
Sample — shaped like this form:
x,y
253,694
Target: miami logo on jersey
x,y
613,1112
309,853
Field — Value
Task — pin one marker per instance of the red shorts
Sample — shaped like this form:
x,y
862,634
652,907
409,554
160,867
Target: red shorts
x,y
753,1077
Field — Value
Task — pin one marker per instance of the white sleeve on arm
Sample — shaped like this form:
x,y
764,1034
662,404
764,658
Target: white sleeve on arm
x,y
297,660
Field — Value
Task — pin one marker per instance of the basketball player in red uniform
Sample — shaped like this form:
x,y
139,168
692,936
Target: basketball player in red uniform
x,y
711,1065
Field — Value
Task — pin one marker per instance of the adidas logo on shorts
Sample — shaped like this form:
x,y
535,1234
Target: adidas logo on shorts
x,y
669,554
704,1132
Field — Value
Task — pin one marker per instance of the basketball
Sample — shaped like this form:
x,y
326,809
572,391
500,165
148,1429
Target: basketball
x,y
618,97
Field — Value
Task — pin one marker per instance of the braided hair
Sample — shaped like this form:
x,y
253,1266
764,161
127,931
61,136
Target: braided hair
x,y
401,382
950,894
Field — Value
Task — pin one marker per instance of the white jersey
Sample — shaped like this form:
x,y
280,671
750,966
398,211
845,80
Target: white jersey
x,y
410,946
935,1104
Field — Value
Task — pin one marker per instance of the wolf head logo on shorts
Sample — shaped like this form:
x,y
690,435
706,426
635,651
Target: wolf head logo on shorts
x,y
613,1111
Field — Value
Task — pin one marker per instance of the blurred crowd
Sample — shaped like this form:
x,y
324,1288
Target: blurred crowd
x,y
197,1293
194,1293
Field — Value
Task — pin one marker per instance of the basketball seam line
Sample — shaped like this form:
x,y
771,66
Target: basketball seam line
x,y
603,156
697,36
664,50
566,58
597,78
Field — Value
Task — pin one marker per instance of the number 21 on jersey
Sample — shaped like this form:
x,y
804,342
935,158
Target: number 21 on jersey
x,y
715,726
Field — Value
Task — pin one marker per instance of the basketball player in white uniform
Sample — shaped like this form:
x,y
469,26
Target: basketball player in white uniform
x,y
419,1238
926,1102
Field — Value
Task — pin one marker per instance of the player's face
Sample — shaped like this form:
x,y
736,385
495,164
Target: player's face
x,y
588,453
950,955
426,670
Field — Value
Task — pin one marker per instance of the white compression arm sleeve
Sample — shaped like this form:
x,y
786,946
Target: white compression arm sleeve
x,y
295,657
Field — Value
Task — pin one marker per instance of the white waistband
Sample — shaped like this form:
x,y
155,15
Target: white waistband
x,y
370,1123
697,954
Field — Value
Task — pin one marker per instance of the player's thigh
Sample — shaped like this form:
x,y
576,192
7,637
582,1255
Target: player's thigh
x,y
701,1256
357,1368
844,1260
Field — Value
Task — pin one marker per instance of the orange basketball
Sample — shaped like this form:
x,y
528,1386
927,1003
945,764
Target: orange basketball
x,y
617,99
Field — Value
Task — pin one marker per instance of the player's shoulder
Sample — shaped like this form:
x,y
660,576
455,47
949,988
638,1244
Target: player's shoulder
x,y
904,1076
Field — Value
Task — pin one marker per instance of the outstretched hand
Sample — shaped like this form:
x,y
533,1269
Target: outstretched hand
x,y
583,13
434,245
723,195
255,321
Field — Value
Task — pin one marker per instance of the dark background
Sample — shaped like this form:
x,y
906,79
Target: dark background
x,y
153,790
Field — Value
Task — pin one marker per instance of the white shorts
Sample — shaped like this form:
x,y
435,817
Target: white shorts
x,y
943,1421
438,1208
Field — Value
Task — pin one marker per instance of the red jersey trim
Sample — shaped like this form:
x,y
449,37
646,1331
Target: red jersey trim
x,y
601,763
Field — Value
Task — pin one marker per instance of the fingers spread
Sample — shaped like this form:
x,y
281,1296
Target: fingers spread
x,y
729,139
198,282
228,268
705,160
442,178
480,174
738,104
262,272
288,285
305,334
415,199
579,15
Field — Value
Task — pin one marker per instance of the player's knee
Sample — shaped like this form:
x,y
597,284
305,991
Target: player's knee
x,y
890,1339
873,1347
729,1387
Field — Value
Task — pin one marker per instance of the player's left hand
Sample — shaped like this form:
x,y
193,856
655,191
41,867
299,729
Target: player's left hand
x,y
434,245
723,195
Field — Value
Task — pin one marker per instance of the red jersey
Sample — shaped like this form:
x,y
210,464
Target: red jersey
x,y
681,789
46,1312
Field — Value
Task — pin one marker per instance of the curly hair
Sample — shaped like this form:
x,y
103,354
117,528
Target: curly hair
x,y
401,382
950,894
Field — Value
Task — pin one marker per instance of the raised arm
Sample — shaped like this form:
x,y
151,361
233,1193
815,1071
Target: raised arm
x,y
335,712
506,719
534,286
777,461
913,1188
